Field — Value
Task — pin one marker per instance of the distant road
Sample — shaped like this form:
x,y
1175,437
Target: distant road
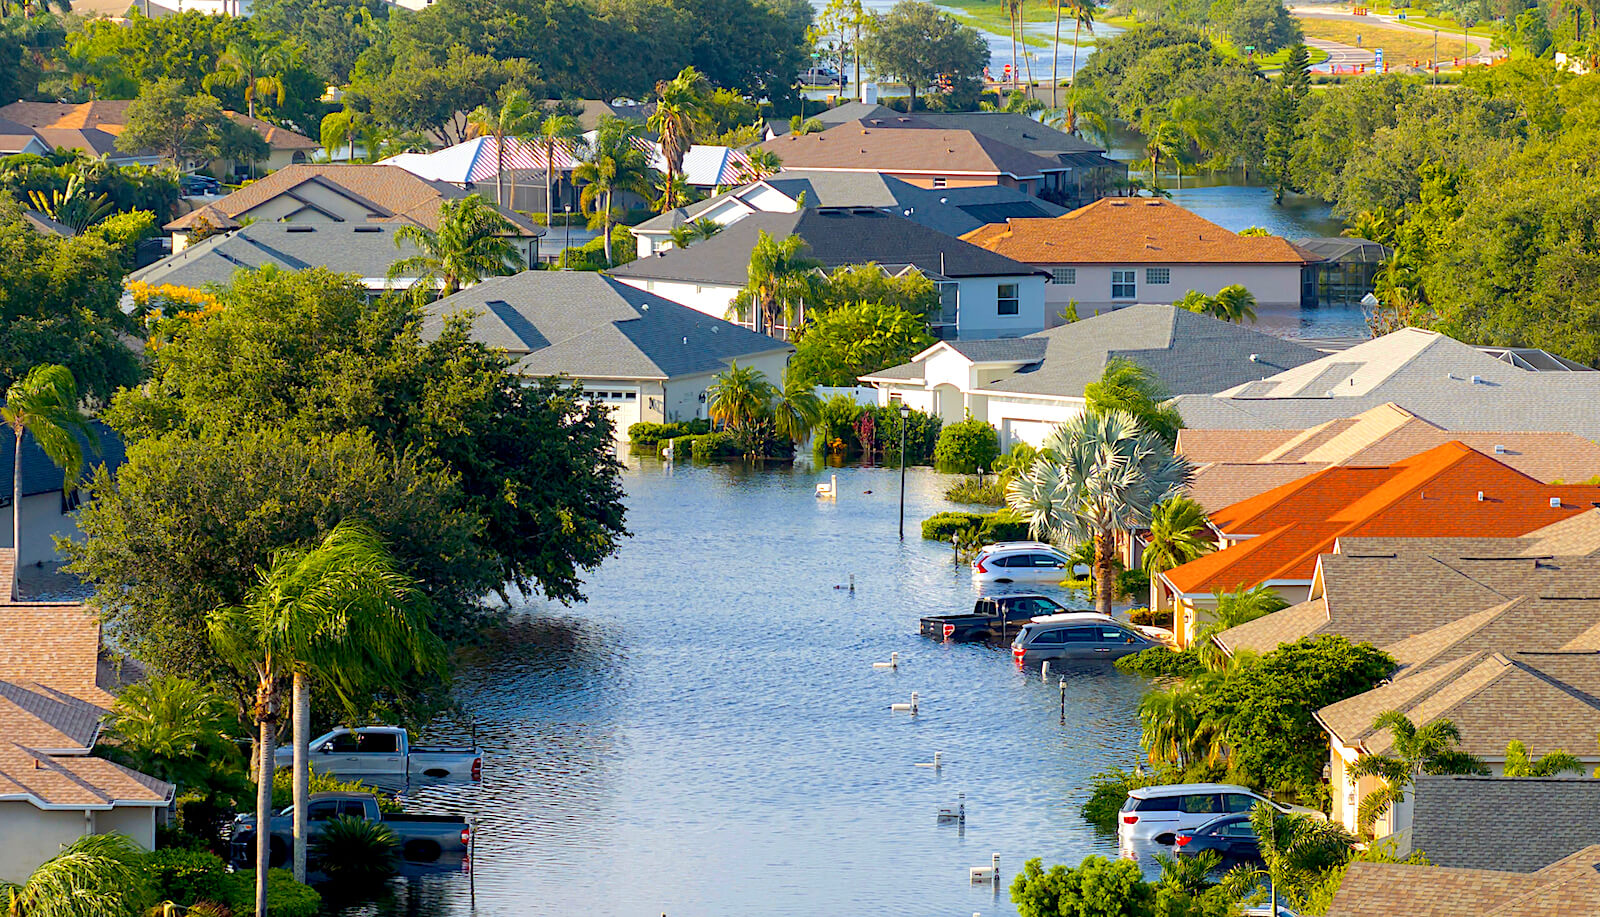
x,y
1384,22
1339,55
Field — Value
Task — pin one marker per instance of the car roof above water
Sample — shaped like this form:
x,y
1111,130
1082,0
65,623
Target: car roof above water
x,y
1072,617
1187,789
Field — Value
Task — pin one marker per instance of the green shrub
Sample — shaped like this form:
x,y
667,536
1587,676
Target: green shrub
x,y
1004,525
1148,618
285,896
646,433
940,526
712,446
1161,662
988,490
1133,584
872,432
682,446
352,849
966,446
186,876
1111,791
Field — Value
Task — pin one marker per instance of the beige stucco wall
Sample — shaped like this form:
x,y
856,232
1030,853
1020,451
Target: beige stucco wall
x,y
30,835
1195,612
41,520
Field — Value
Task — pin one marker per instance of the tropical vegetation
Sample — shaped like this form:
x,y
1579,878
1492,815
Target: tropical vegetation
x,y
470,244
1432,748
44,405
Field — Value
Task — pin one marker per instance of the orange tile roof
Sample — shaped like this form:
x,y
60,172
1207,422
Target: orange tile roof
x,y
1125,230
110,115
1434,494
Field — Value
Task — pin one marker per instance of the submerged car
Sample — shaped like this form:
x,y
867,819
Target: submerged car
x,y
1160,813
1021,562
1077,636
1231,837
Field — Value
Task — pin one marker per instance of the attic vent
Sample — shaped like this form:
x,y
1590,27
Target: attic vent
x,y
1480,496
1477,380
1499,449
1028,136
1152,203
369,229
294,228
1555,502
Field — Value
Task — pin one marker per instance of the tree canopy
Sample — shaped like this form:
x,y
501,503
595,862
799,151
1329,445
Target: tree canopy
x,y
918,44
838,346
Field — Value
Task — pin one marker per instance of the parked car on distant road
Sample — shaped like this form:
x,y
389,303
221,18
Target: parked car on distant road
x,y
386,752
992,617
1230,837
1158,813
1076,636
823,76
422,837
1021,562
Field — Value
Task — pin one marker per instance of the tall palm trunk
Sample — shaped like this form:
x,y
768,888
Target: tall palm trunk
x,y
1055,61
855,51
606,226
500,169
1072,78
1104,572
16,518
302,770
1015,13
267,716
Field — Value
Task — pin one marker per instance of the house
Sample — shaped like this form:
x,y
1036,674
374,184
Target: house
x,y
647,358
1346,270
19,138
93,127
1546,700
364,249
1119,251
1234,465
473,165
48,512
1089,174
1426,601
1459,821
983,294
53,695
952,211
1274,539
1025,386
346,193
1450,384
1566,888
917,152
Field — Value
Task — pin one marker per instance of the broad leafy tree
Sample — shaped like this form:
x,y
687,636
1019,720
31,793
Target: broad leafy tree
x,y
918,44
839,346
174,123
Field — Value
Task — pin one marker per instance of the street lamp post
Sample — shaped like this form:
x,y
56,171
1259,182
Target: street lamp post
x,y
905,417
566,246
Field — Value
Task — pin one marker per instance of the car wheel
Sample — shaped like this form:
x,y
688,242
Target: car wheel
x,y
421,851
1165,840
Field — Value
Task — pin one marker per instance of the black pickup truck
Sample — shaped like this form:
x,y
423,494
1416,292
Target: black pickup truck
x,y
996,617
422,838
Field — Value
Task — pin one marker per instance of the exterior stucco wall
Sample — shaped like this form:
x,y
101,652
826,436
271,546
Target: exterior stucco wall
x,y
707,298
979,315
41,520
30,835
1271,284
1028,420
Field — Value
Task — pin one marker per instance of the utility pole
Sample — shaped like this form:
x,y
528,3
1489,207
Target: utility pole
x,y
905,417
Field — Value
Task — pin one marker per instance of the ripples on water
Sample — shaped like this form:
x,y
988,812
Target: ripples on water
x,y
706,736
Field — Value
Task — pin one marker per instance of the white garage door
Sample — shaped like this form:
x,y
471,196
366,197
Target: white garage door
x,y
623,402
1032,432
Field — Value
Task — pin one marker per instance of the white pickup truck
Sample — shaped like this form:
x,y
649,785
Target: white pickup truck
x,y
386,752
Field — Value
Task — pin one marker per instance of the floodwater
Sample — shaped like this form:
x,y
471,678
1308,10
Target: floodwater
x,y
707,736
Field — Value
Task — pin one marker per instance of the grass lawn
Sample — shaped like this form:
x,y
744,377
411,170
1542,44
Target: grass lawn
x,y
1400,46
989,16
1271,61
1482,29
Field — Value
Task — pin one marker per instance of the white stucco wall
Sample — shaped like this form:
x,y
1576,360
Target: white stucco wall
x,y
1271,284
30,835
979,316
712,300
41,520
1029,420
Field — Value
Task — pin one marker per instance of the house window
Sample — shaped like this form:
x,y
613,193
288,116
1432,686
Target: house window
x,y
1063,275
1158,275
1009,298
1122,285
940,182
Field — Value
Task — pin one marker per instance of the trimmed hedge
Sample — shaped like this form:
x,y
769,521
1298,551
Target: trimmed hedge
x,y
966,446
712,446
186,876
1161,662
872,432
646,433
285,896
1002,525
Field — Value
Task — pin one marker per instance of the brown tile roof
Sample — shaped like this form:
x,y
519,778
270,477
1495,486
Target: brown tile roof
x,y
78,123
74,781
1218,485
1130,230
907,146
211,213
50,692
390,193
276,136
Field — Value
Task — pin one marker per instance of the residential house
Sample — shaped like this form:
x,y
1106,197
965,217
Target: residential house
x,y
341,193
364,249
1550,701
952,211
1119,251
1450,384
645,357
48,512
1566,888
1274,539
1460,821
983,294
1027,385
54,691
93,127
19,138
1235,465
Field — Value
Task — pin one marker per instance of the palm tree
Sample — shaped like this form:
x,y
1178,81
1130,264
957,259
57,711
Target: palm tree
x,y
1296,851
1240,606
1086,112
557,128
802,126
680,111
45,404
257,66
694,231
674,192
1177,535
1097,475
1375,225
1163,141
1520,764
1428,749
1195,124
514,118
97,875
340,128
796,409
614,163
780,276
469,245
760,164
1234,303
1190,875
738,396
1014,19
340,613
1083,15
1174,731
1127,386
173,729
74,206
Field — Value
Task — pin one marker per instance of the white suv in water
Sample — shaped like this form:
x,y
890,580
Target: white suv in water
x,y
1155,814
1021,562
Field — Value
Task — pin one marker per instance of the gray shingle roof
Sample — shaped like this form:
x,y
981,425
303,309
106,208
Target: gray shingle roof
x,y
1424,372
835,237
41,476
364,249
588,325
1013,129
1462,821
